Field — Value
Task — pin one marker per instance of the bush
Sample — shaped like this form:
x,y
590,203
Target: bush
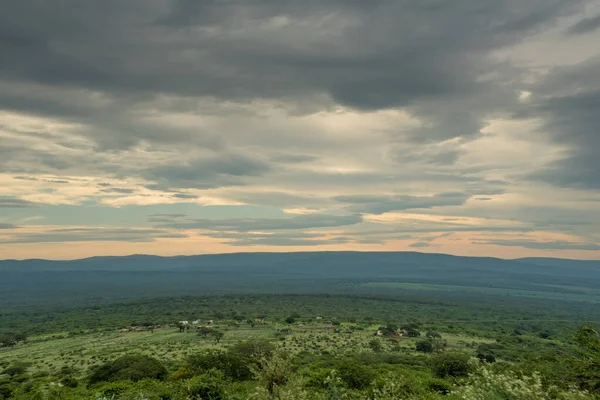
x,y
234,366
15,369
255,349
424,346
114,389
182,373
487,385
354,374
209,386
451,365
6,391
69,381
129,368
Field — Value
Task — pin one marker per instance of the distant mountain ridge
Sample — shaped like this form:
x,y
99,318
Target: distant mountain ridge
x,y
147,275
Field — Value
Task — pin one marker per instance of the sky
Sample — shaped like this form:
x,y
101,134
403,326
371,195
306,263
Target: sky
x,y
467,127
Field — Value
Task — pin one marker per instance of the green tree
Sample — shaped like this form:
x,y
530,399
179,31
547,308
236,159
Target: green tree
x,y
218,336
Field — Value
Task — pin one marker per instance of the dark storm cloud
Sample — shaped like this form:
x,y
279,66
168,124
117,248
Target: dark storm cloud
x,y
568,102
585,25
382,204
428,56
306,221
554,245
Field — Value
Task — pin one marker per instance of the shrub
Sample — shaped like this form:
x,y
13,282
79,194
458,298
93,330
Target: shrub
x,y
354,374
6,391
451,365
69,382
129,368
487,385
232,365
114,389
15,369
255,349
209,386
424,346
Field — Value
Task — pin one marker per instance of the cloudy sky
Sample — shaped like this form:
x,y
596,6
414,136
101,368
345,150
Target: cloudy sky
x,y
183,127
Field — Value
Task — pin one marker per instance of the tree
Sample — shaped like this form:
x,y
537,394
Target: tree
x,y
204,330
290,320
128,368
433,334
218,336
375,345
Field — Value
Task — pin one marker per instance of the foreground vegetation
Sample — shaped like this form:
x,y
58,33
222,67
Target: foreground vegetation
x,y
302,347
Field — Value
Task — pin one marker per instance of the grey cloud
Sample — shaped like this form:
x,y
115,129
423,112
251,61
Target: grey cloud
x,y
483,199
92,234
104,184
282,241
278,199
369,55
280,238
305,221
60,181
553,245
214,172
428,156
293,158
574,121
419,244
117,190
586,25
15,202
168,215
7,226
383,204
567,100
185,196
26,178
